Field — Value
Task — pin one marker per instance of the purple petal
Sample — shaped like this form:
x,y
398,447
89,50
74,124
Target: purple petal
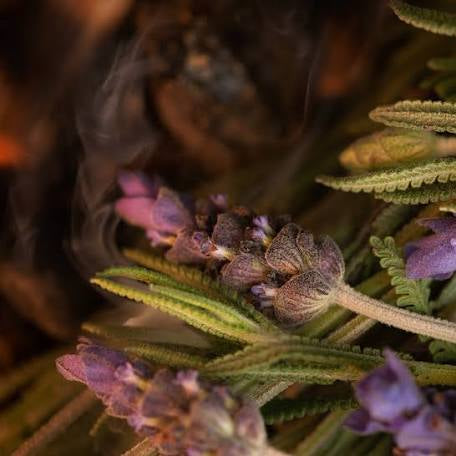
x,y
169,213
439,224
433,256
427,433
136,211
71,367
138,184
389,392
100,365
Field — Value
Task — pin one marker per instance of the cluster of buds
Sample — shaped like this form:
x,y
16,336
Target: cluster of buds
x,y
281,266
422,422
178,412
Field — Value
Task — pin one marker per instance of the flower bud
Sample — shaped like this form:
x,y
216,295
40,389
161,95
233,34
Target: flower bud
x,y
190,247
283,254
228,231
294,250
302,298
388,147
243,271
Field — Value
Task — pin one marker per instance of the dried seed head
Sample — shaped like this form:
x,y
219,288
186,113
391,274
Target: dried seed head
x,y
322,255
228,231
243,271
283,254
302,298
190,247
294,250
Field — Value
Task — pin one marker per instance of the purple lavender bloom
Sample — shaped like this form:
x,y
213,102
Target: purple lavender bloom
x,y
388,395
179,413
433,256
94,365
160,211
391,402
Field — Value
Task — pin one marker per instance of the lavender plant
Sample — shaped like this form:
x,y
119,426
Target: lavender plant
x,y
274,307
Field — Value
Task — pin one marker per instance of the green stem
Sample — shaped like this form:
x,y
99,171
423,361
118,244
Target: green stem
x,y
60,421
394,316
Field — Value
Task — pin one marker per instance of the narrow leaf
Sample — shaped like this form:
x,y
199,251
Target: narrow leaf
x,y
427,19
396,179
281,410
418,115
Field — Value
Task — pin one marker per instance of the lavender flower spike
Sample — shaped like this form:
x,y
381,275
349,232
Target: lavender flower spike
x,y
179,413
433,256
391,402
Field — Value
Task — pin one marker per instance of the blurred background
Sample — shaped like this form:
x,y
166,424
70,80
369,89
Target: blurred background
x,y
249,98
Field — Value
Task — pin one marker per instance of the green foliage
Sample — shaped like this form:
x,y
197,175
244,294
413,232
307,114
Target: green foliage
x,y
413,294
199,314
280,410
191,277
397,179
427,194
423,182
426,19
443,352
166,355
418,115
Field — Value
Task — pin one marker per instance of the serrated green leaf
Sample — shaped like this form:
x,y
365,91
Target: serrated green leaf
x,y
280,410
413,294
418,115
427,19
443,352
196,279
202,319
427,194
167,355
396,179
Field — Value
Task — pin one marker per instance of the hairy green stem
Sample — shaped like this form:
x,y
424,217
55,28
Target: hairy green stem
x,y
61,420
394,316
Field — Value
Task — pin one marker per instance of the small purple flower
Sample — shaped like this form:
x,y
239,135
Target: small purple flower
x,y
391,402
160,211
179,413
433,256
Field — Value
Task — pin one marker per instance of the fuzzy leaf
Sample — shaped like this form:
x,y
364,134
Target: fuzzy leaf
x,y
427,19
169,356
196,279
413,294
201,318
443,352
397,179
418,115
280,410
427,194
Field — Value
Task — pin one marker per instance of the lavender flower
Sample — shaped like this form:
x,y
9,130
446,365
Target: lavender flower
x,y
181,414
433,256
391,402
280,264
160,211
